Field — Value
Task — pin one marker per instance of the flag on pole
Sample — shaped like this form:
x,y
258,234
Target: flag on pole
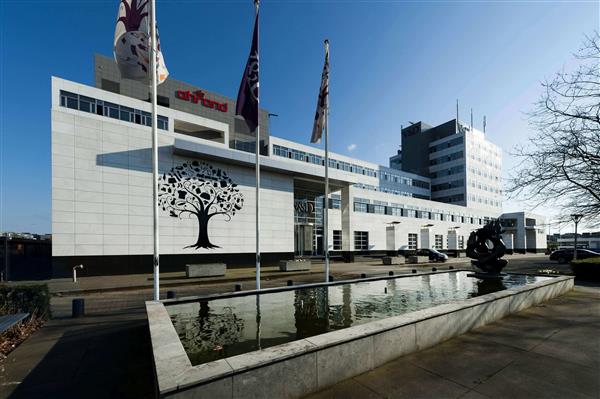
x,y
247,98
131,43
323,101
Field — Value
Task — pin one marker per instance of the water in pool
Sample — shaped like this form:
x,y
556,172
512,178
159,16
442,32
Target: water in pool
x,y
219,328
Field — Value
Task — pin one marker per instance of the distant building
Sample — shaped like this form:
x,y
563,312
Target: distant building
x,y
25,256
589,240
464,168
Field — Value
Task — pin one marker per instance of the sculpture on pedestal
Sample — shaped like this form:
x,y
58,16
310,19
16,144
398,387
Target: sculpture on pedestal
x,y
486,248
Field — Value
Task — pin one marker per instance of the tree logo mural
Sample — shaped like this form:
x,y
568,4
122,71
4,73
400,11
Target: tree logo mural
x,y
198,190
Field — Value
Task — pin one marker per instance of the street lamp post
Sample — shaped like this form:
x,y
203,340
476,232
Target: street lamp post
x,y
576,218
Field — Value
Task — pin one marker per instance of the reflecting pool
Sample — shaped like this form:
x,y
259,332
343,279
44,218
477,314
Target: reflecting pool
x,y
219,328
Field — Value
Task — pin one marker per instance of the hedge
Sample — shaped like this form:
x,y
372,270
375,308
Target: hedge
x,y
586,268
33,299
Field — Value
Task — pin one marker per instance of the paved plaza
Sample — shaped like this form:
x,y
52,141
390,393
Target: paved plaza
x,y
552,350
548,351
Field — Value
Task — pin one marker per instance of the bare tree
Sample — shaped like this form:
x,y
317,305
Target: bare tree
x,y
198,190
560,166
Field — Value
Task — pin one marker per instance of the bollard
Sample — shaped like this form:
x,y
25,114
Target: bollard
x,y
78,307
238,287
414,270
170,294
385,290
330,278
290,283
390,273
433,269
363,275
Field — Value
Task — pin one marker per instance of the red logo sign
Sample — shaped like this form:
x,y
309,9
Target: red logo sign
x,y
198,97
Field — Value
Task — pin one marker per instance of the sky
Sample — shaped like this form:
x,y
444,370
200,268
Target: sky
x,y
391,62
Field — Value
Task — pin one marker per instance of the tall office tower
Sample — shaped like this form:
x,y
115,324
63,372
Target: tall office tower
x,y
465,168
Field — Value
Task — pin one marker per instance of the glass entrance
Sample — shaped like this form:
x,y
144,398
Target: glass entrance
x,y
303,240
308,223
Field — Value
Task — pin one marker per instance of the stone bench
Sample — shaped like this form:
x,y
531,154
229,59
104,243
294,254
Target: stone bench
x,y
417,259
392,260
294,265
205,270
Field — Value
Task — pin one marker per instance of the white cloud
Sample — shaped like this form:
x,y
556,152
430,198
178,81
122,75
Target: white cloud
x,y
351,147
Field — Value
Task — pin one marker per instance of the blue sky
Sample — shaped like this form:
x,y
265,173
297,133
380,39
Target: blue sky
x,y
391,62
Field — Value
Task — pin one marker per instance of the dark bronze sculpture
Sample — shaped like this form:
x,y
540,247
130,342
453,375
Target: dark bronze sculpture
x,y
486,248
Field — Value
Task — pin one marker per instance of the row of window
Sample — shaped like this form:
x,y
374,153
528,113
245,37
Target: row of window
x,y
448,185
451,199
361,241
446,144
446,158
110,110
485,187
319,160
484,173
485,161
484,200
364,207
407,181
384,190
448,172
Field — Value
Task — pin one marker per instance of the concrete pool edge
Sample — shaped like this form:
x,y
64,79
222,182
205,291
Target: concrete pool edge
x,y
303,366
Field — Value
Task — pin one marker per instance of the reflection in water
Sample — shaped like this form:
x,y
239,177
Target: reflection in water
x,y
226,327
258,321
311,312
489,286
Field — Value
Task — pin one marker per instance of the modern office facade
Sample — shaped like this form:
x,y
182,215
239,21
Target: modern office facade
x,y
465,168
102,185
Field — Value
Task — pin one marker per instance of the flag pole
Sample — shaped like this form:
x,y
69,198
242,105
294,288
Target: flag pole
x,y
326,205
256,5
153,55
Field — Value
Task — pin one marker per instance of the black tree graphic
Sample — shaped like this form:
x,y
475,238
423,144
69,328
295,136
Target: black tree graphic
x,y
199,190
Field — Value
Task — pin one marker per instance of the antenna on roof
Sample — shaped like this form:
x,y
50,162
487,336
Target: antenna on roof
x,y
484,123
457,115
471,119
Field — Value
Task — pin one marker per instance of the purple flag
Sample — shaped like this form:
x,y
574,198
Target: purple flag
x,y
323,102
247,99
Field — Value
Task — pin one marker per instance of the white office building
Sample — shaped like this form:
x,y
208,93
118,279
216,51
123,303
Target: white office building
x,y
102,185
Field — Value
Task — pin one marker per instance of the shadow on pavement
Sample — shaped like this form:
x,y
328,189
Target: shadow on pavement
x,y
100,357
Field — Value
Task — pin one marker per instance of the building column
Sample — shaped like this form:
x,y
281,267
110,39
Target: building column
x,y
347,209
427,239
508,239
452,240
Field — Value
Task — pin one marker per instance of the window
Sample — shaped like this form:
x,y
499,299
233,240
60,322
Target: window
x,y
337,240
412,241
361,240
411,213
111,110
360,207
87,104
439,239
461,242
335,203
125,114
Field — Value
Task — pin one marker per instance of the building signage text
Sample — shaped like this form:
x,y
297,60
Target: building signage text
x,y
198,97
304,207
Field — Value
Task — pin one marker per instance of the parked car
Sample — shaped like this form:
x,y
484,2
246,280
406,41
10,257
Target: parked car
x,y
566,255
433,254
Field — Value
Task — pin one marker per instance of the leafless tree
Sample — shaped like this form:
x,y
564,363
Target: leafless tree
x,y
560,165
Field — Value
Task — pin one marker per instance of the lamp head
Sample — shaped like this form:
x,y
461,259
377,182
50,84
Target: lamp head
x,y
576,217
